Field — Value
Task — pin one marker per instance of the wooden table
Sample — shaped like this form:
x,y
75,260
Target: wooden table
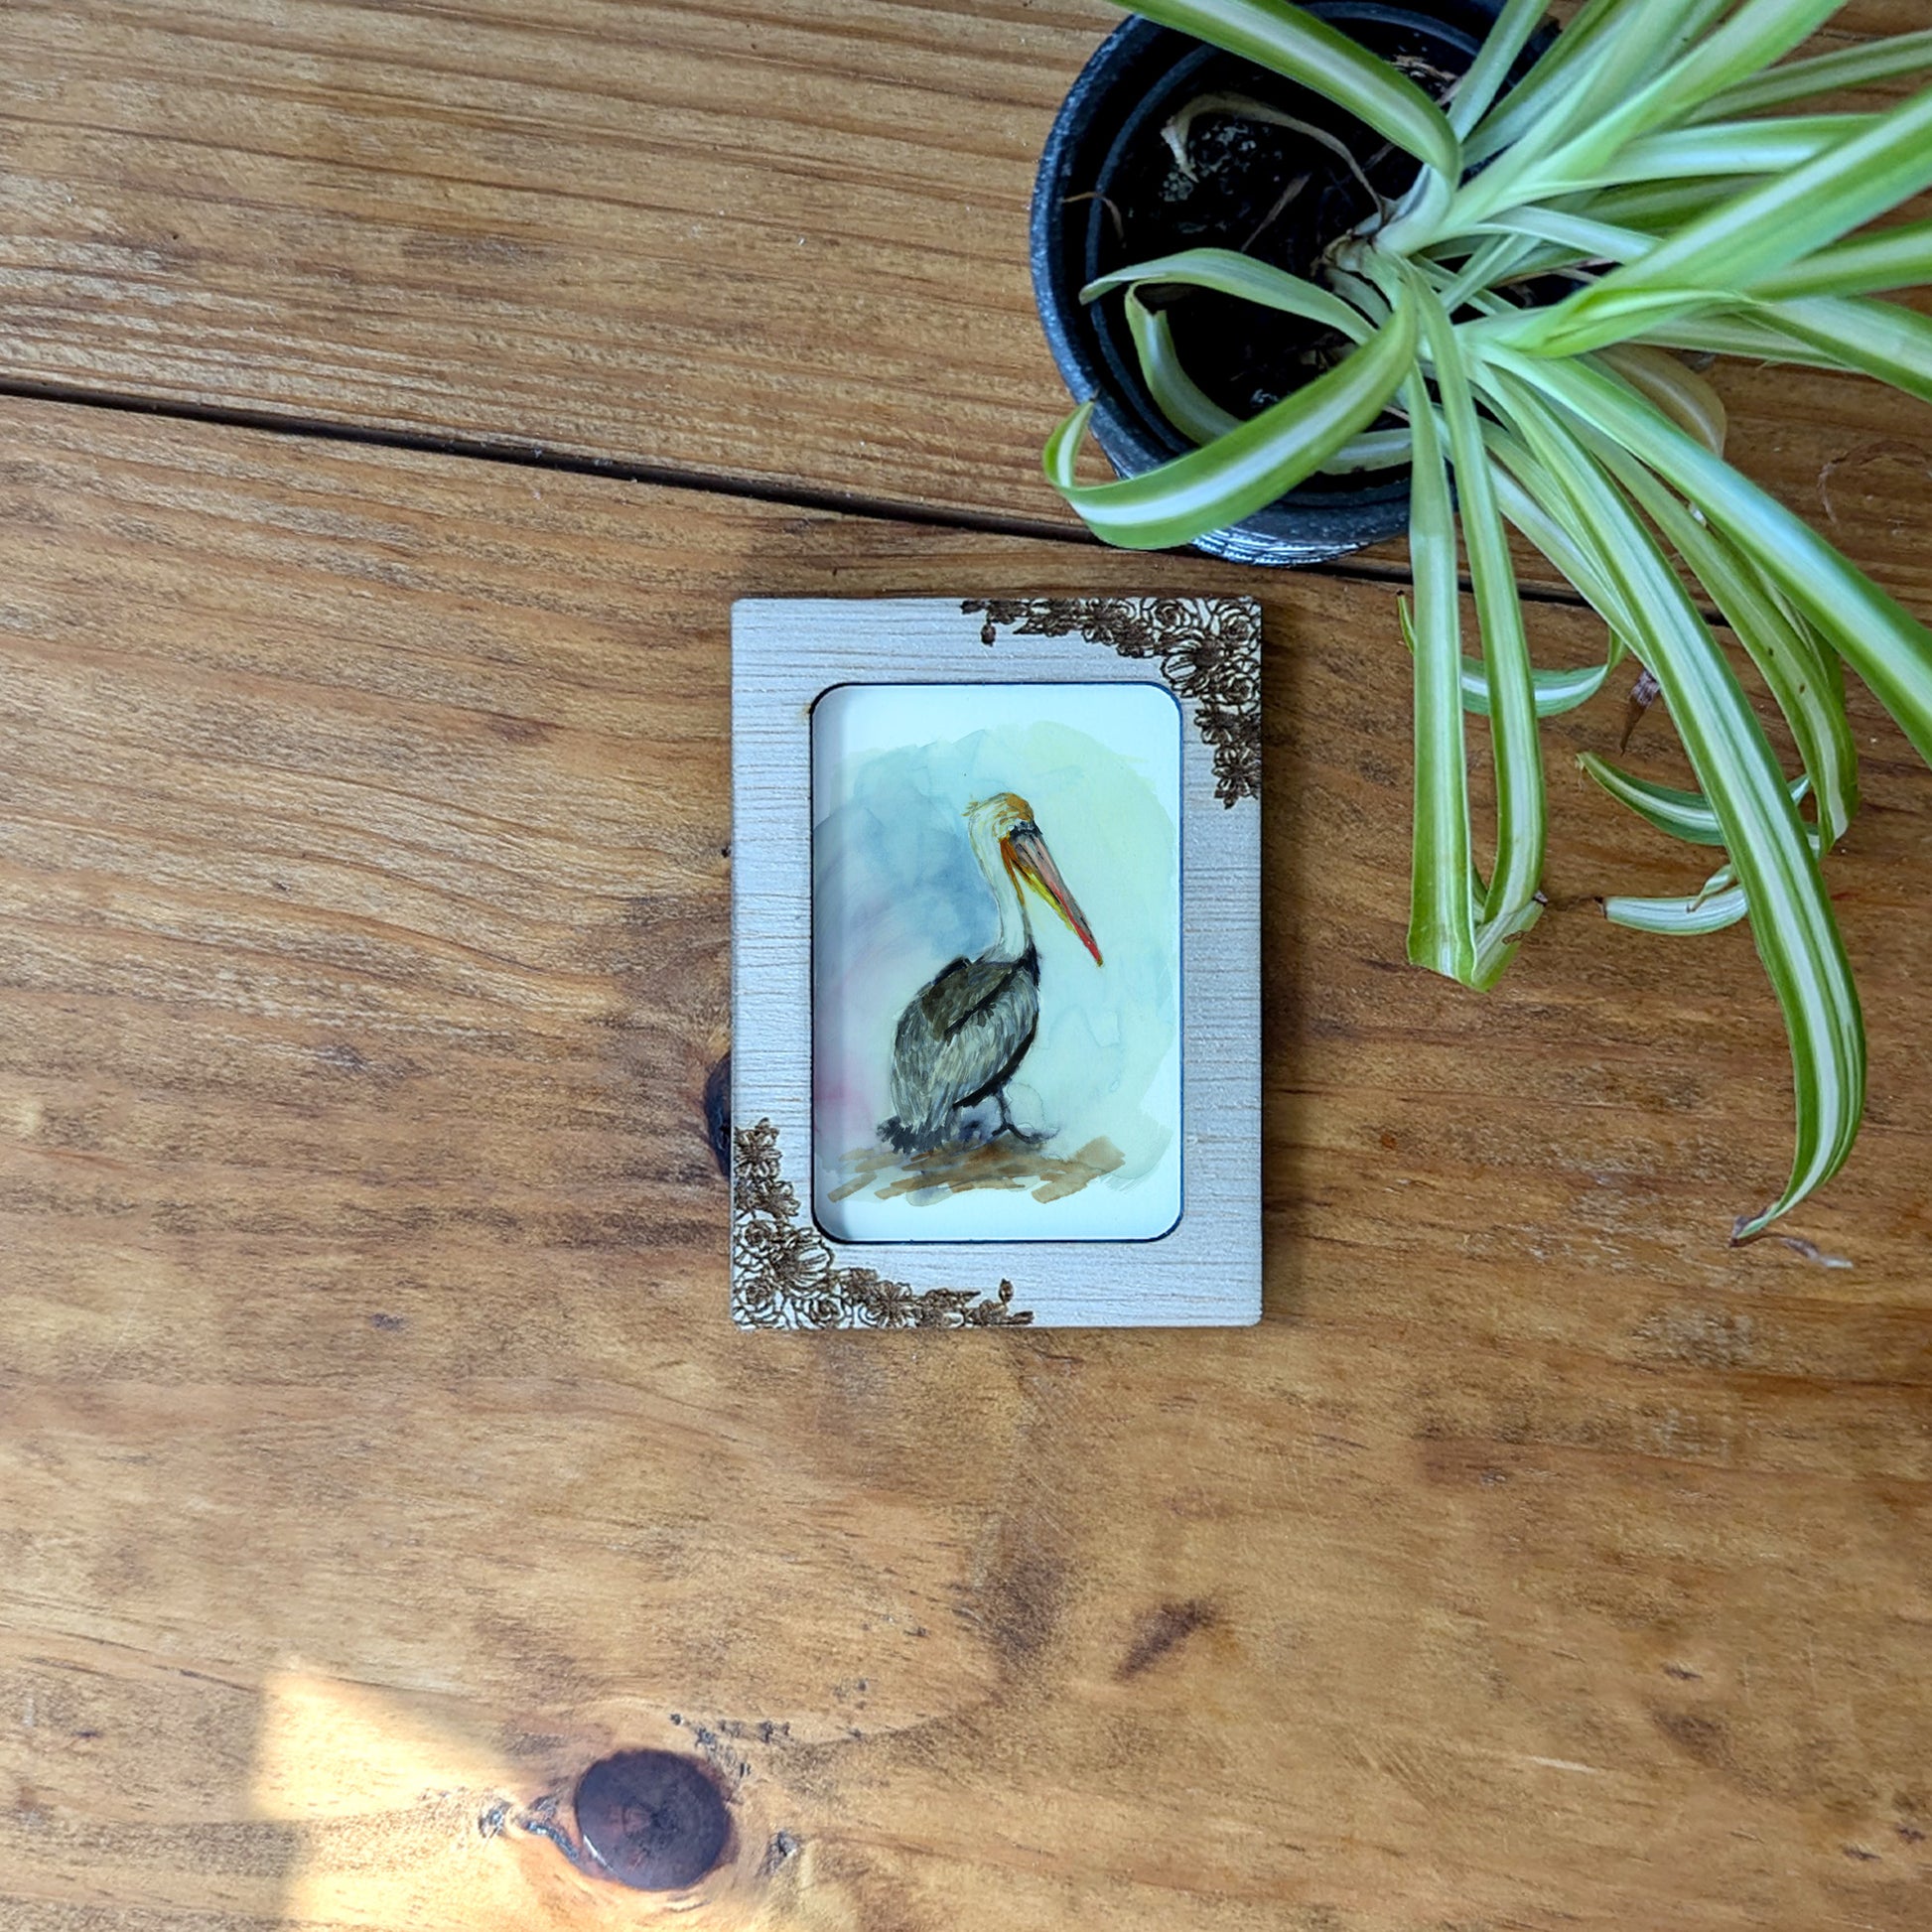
x,y
394,398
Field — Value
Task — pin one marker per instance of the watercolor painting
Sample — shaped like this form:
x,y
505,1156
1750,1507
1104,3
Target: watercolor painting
x,y
996,961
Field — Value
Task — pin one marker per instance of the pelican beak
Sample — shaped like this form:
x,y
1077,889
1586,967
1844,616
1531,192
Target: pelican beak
x,y
1027,853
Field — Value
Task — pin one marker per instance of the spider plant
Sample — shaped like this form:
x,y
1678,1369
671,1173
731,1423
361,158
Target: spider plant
x,y
1640,167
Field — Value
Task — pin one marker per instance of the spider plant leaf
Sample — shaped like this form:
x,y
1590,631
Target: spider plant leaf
x,y
1228,273
1656,204
1679,392
1740,332
1556,691
1486,260
1719,148
1822,74
1705,912
1522,495
1754,34
1594,58
1882,642
1579,234
1510,904
1442,890
1194,413
1809,698
1718,903
1564,65
1363,293
1758,232
1585,322
1881,338
1863,264
1695,163
1199,416
1791,917
1481,82
1287,40
1249,466
1685,815
1374,449
1525,495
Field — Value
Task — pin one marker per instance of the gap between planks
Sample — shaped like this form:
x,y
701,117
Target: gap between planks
x,y
535,456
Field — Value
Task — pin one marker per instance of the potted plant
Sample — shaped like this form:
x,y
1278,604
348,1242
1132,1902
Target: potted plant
x,y
1165,142
1537,238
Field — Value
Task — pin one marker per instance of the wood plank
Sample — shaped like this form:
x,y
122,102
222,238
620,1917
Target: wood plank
x,y
377,1449
781,248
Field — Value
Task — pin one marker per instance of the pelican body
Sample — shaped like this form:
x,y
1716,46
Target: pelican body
x,y
966,1030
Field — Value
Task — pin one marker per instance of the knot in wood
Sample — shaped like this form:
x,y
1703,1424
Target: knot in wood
x,y
652,1819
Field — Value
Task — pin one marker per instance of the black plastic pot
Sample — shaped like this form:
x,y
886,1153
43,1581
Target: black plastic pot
x,y
1133,85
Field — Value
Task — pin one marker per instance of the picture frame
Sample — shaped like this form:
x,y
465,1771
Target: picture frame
x,y
1058,1142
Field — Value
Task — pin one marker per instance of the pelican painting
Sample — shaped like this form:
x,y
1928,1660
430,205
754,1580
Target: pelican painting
x,y
964,1034
976,1073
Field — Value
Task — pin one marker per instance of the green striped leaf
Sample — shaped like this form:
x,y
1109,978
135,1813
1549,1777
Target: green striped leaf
x,y
1705,912
1679,392
1887,646
1595,58
1199,416
1649,92
1889,258
1718,903
1565,68
1194,413
1791,917
1374,449
1881,338
1248,467
1685,815
1469,99
1510,904
1657,205
1753,233
1578,234
1744,333
1867,65
1442,888
1569,330
1228,273
1525,495
1785,653
1727,148
1556,691
1667,92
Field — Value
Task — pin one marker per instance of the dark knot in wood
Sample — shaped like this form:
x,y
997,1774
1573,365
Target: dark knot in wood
x,y
651,1819
718,1114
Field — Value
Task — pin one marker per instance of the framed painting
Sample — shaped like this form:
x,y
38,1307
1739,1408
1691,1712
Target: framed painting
x,y
995,962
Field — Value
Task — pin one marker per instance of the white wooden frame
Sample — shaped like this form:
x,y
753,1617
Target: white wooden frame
x,y
785,1271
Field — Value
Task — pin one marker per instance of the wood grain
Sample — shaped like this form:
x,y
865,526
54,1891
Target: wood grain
x,y
783,249
377,1449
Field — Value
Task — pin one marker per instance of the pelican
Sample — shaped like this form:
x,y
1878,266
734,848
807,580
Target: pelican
x,y
966,1029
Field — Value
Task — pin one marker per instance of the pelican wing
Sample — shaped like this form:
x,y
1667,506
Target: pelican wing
x,y
961,1036
965,988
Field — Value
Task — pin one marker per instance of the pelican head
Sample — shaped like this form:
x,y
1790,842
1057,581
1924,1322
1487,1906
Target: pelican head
x,y
1004,823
